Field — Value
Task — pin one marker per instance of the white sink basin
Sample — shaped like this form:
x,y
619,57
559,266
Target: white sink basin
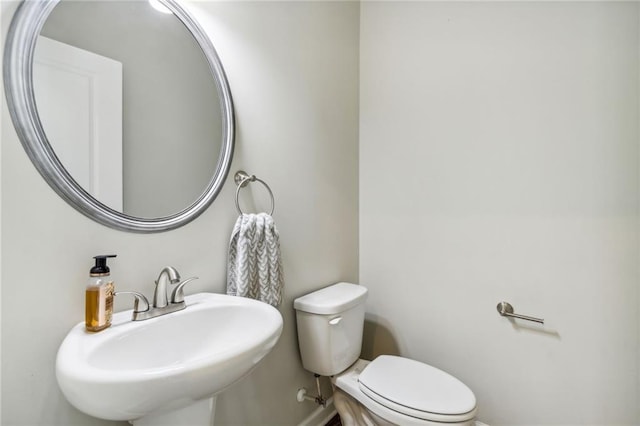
x,y
137,368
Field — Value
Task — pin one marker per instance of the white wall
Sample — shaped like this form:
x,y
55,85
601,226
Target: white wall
x,y
293,71
499,161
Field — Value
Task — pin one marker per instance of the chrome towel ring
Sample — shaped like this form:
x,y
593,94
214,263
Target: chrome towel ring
x,y
242,179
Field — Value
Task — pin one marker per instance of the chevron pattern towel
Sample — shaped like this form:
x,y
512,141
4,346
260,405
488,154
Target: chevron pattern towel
x,y
255,268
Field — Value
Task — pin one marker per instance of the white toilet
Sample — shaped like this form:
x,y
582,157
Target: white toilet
x,y
389,390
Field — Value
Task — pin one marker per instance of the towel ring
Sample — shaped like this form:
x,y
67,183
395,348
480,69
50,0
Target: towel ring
x,y
242,179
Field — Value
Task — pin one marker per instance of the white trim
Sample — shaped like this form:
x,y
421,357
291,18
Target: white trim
x,y
94,156
321,415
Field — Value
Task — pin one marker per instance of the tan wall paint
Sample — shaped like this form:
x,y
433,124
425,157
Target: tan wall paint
x,y
499,161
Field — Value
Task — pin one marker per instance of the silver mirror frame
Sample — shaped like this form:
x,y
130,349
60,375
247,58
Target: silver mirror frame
x,y
18,80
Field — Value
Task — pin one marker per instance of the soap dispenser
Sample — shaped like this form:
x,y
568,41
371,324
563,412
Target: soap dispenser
x,y
99,295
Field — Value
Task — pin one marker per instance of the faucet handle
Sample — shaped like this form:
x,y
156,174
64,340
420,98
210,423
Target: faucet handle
x,y
139,299
178,293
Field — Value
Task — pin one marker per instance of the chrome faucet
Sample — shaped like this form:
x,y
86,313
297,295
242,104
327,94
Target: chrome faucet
x,y
161,306
168,275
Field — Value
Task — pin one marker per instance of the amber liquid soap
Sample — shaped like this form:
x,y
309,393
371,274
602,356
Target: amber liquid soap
x,y
99,295
99,307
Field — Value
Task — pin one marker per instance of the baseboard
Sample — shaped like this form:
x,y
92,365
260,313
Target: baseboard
x,y
321,415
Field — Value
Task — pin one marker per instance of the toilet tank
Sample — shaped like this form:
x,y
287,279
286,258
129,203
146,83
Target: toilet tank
x,y
330,324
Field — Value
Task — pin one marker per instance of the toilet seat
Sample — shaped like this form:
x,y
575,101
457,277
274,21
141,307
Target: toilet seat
x,y
416,389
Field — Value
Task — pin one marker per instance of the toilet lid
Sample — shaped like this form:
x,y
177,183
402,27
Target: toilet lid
x,y
415,389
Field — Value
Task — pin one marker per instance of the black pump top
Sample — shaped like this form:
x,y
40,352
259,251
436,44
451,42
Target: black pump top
x,y
101,264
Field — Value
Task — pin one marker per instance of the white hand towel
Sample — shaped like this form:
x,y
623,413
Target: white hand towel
x,y
255,267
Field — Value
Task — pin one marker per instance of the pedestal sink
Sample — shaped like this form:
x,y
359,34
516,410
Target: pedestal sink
x,y
166,370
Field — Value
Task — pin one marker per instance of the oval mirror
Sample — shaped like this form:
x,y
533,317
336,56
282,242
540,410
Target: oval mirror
x,y
123,107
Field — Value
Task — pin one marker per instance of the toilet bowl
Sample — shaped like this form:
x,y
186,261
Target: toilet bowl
x,y
384,395
389,390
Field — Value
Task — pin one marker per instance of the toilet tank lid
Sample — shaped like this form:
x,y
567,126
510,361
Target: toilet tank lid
x,y
332,299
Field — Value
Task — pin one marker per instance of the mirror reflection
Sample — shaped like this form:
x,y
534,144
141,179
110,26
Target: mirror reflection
x,y
128,103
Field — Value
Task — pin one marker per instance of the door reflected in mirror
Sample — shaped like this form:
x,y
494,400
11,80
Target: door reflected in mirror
x,y
129,104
